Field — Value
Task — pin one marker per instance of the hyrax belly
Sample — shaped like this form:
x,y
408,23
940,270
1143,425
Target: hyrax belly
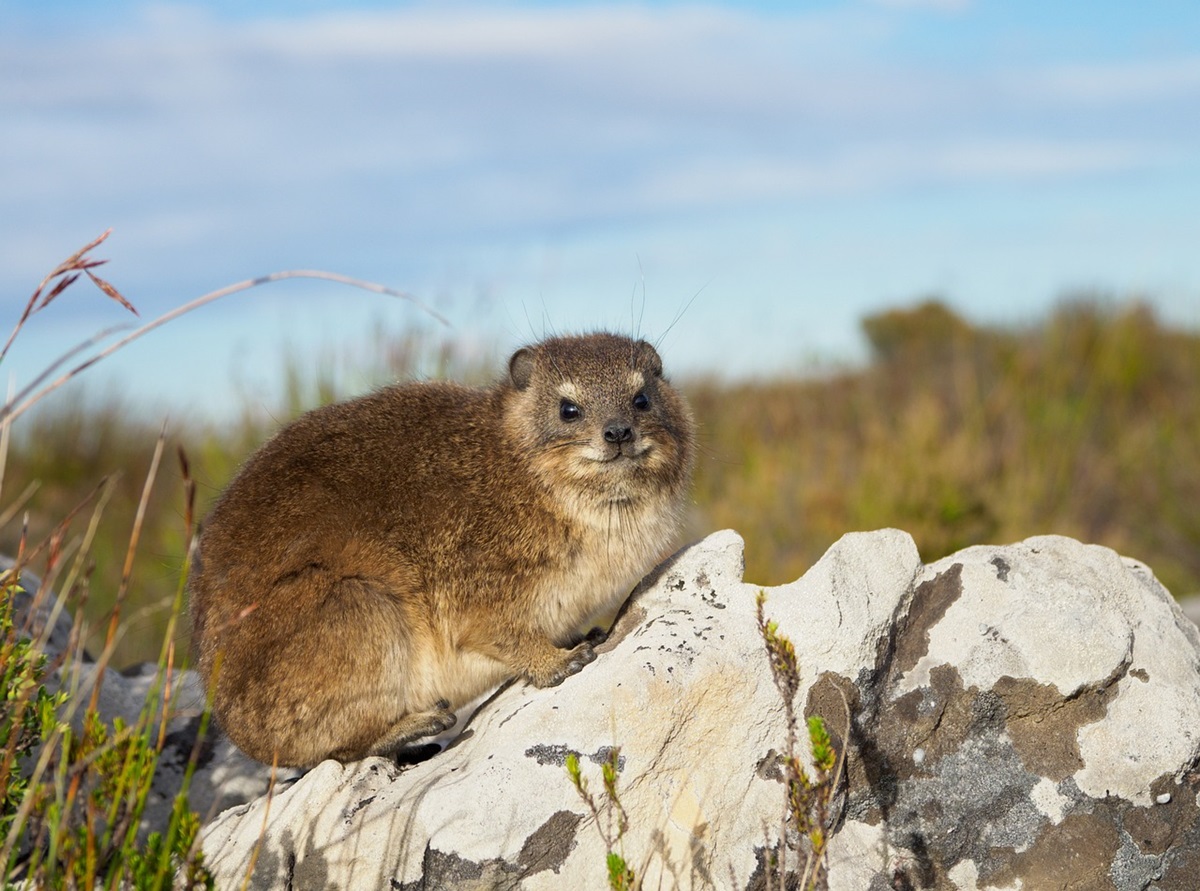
x,y
383,561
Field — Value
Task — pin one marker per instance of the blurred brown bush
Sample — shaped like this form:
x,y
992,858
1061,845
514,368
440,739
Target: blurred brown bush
x,y
1087,424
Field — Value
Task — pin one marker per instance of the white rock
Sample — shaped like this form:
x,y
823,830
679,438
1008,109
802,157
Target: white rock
x,y
1044,622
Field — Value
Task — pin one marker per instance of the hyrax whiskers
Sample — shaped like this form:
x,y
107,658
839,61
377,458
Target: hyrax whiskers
x,y
382,561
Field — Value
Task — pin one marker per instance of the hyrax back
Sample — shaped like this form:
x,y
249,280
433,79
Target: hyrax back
x,y
383,561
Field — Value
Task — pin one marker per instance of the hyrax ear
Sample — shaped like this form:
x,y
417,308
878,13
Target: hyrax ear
x,y
645,356
520,368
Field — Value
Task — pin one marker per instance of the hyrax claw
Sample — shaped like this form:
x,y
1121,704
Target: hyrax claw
x,y
572,663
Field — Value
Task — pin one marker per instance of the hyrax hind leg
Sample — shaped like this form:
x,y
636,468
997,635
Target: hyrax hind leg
x,y
338,681
413,727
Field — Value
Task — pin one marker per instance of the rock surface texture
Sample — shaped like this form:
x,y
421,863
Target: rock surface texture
x,y
1024,717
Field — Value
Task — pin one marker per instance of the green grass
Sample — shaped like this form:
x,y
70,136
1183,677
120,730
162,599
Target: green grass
x,y
76,790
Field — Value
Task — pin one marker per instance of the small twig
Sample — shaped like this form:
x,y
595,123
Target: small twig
x,y
58,363
69,270
127,571
10,411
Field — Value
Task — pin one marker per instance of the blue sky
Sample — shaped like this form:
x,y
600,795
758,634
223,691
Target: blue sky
x,y
540,166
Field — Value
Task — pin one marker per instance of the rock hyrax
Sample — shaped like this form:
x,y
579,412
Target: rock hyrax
x,y
382,561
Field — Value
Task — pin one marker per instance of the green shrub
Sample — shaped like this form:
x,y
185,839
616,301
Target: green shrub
x,y
73,801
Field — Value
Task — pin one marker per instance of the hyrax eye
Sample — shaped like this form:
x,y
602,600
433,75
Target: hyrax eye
x,y
641,402
569,411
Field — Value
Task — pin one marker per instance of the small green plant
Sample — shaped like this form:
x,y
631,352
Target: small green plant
x,y
611,819
76,786
808,796
76,790
28,711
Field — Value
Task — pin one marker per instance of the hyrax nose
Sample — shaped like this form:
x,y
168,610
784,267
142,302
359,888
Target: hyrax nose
x,y
617,432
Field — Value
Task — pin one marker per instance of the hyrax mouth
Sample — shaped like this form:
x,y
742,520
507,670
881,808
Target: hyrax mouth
x,y
623,452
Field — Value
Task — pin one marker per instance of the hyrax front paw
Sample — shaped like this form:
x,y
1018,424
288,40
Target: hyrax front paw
x,y
569,662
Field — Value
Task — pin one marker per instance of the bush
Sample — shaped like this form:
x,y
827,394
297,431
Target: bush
x,y
1083,425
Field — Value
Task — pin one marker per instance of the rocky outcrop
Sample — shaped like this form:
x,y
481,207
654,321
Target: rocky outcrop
x,y
1024,716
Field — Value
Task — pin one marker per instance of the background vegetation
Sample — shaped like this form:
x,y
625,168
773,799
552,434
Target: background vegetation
x,y
1085,424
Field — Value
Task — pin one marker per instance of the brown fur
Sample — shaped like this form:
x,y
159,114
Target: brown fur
x,y
383,561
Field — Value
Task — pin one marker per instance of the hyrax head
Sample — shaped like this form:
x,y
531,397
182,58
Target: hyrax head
x,y
596,410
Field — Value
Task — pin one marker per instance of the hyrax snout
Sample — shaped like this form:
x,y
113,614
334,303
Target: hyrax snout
x,y
383,561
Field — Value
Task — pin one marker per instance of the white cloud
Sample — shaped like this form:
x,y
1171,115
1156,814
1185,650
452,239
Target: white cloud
x,y
588,93
935,5
489,34
863,170
1116,83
